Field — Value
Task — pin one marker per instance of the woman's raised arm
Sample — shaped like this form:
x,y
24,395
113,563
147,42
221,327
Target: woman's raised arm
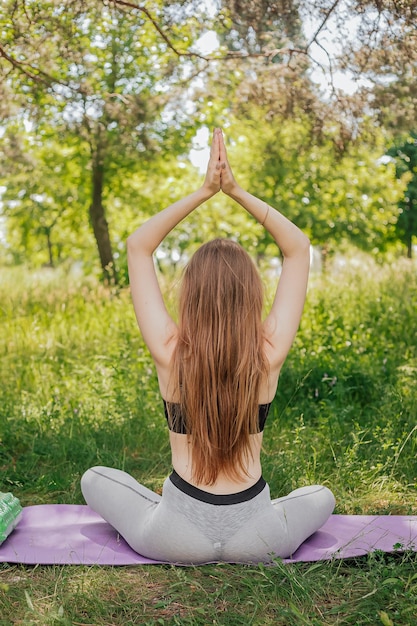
x,y
283,320
155,324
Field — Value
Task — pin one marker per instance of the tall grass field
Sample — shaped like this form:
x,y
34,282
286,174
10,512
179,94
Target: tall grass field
x,y
78,388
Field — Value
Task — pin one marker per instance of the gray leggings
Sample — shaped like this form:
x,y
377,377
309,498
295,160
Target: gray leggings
x,y
180,528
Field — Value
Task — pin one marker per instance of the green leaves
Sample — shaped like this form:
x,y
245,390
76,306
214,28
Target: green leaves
x,y
101,99
335,198
405,159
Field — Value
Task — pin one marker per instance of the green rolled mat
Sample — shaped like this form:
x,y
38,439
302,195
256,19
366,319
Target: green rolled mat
x,y
10,514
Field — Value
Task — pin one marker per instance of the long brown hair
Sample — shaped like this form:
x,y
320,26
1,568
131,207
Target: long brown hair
x,y
219,362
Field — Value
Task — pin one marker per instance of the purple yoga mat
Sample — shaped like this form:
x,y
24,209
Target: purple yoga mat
x,y
60,534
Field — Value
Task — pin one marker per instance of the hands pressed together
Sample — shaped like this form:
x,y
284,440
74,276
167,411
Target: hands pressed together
x,y
219,174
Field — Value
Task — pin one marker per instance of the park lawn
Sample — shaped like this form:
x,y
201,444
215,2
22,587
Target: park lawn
x,y
78,389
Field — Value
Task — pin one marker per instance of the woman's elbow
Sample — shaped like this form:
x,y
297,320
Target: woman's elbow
x,y
133,243
130,241
305,243
136,245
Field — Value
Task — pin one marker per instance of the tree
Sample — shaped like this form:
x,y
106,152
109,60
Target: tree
x,y
383,57
44,199
116,79
101,76
336,197
405,158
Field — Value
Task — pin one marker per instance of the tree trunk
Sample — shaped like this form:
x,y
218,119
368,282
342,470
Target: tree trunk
x,y
409,246
49,244
100,225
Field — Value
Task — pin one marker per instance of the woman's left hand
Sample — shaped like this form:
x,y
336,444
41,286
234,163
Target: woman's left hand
x,y
212,180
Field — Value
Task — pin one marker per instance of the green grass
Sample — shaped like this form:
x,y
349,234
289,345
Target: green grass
x,y
354,592
78,388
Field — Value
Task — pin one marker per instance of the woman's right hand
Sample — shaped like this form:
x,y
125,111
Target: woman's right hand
x,y
228,183
212,180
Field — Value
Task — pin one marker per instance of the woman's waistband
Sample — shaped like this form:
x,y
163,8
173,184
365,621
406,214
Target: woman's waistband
x,y
214,498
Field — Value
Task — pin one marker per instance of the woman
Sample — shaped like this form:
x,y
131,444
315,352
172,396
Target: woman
x,y
218,372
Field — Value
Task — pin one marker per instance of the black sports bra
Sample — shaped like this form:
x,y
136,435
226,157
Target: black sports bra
x,y
176,421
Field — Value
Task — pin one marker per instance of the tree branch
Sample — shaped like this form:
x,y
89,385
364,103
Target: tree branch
x,y
19,65
322,25
142,9
269,54
38,75
34,73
